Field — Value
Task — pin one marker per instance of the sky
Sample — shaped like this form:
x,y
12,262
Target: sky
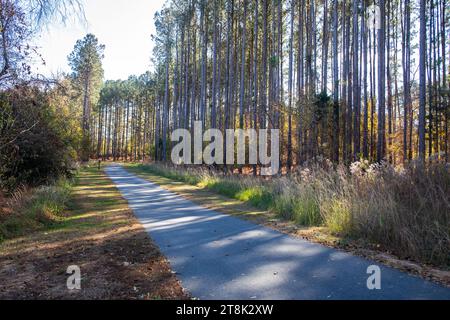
x,y
124,26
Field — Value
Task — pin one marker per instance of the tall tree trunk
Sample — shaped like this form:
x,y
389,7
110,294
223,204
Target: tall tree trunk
x,y
166,104
214,76
406,62
263,110
336,111
255,74
325,38
381,143
444,78
356,85
366,102
204,32
229,72
422,80
389,82
290,86
242,80
300,81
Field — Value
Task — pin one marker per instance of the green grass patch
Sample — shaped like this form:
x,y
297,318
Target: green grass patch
x,y
257,197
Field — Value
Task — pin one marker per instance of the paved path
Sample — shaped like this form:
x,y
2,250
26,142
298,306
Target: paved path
x,y
217,256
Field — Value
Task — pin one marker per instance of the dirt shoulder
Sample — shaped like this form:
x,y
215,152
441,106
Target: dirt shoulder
x,y
99,234
269,219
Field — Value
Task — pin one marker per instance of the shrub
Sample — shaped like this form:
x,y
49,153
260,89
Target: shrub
x,y
35,140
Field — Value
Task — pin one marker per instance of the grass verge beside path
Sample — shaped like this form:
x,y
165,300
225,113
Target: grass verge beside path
x,y
30,210
98,233
191,188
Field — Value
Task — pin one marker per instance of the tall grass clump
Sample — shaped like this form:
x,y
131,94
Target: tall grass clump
x,y
408,209
405,210
32,209
297,201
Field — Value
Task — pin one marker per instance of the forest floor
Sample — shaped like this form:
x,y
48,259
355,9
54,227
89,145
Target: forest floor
x,y
99,234
271,220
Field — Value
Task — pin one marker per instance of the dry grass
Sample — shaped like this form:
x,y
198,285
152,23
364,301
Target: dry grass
x,y
406,211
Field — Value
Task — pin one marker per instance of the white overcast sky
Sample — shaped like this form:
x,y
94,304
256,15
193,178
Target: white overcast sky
x,y
124,26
